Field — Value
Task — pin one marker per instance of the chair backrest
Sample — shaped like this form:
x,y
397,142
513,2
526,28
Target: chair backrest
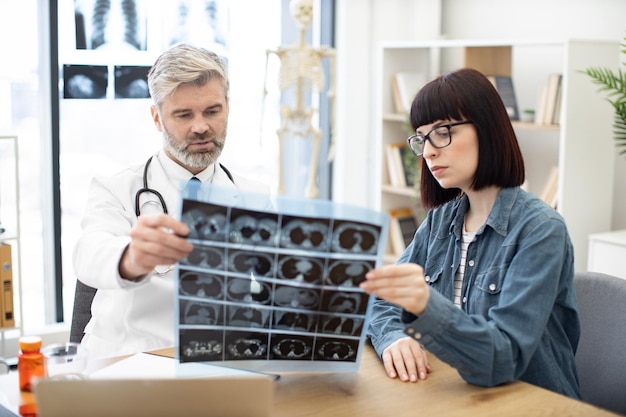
x,y
81,314
601,355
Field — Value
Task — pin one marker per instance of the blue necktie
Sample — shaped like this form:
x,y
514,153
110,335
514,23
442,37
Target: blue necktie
x,y
193,188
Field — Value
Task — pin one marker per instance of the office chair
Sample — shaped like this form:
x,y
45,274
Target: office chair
x,y
600,358
81,313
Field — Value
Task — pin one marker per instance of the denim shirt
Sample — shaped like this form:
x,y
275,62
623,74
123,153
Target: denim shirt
x,y
519,312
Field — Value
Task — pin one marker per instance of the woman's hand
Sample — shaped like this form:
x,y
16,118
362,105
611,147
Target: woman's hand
x,y
405,359
400,284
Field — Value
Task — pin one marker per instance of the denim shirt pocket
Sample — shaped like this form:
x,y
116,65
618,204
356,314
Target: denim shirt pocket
x,y
432,274
485,292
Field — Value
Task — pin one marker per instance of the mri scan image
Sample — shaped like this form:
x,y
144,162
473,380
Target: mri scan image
x,y
345,302
300,269
200,284
247,228
292,347
246,345
296,297
271,286
251,263
295,320
208,257
200,313
355,237
248,316
336,349
305,234
200,345
342,325
348,273
205,221
248,291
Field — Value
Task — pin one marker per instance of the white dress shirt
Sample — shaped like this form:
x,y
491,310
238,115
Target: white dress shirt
x,y
130,317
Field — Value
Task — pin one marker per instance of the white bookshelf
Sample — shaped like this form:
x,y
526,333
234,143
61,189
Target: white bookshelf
x,y
581,146
10,218
607,252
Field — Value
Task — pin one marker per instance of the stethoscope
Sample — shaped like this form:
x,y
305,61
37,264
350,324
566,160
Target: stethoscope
x,y
158,195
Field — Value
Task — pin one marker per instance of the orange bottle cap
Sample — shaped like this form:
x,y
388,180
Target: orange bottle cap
x,y
30,343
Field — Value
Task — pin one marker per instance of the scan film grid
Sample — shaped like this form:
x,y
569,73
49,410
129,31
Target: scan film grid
x,y
274,287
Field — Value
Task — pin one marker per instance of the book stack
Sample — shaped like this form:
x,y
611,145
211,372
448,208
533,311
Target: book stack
x,y
402,165
7,318
402,227
548,109
404,86
504,85
394,164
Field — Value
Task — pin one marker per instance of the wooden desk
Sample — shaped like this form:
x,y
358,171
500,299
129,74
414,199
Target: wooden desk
x,y
369,392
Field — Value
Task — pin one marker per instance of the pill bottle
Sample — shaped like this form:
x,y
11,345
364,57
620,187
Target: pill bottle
x,y
30,362
28,408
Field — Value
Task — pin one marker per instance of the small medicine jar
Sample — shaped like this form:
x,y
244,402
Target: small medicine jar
x,y
30,362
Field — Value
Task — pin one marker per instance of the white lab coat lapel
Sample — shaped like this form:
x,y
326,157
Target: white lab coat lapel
x,y
225,191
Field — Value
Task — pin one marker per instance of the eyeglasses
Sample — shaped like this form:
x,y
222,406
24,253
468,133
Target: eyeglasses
x,y
439,137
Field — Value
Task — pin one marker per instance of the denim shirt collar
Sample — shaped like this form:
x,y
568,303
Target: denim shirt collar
x,y
499,217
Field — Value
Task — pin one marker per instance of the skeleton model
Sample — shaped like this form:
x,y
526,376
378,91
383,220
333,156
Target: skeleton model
x,y
302,73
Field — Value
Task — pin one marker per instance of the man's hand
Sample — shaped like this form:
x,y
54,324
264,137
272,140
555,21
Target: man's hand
x,y
406,360
155,240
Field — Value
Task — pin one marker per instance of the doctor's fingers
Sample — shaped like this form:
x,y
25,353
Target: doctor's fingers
x,y
164,222
161,243
150,253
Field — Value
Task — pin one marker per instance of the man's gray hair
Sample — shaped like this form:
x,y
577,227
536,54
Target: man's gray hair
x,y
184,64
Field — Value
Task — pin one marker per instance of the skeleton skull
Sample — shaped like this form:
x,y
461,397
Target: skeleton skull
x,y
302,11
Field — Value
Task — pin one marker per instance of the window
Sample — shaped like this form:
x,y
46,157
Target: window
x,y
101,136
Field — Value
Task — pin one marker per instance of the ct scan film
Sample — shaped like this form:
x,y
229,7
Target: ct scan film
x,y
273,284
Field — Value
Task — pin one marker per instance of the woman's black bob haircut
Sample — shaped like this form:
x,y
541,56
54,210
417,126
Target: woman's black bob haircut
x,y
466,94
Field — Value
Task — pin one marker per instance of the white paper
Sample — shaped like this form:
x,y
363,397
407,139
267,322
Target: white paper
x,y
148,366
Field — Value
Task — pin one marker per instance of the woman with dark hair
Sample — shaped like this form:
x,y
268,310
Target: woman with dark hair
x,y
486,285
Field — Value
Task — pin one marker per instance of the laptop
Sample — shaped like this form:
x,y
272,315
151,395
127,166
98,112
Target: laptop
x,y
234,396
154,385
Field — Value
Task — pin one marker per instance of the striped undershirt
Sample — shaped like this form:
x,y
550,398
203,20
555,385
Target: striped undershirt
x,y
468,237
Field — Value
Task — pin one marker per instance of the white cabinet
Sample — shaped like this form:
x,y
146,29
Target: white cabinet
x,y
607,253
581,146
10,221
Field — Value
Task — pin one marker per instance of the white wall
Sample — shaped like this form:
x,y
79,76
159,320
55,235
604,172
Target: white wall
x,y
536,19
362,24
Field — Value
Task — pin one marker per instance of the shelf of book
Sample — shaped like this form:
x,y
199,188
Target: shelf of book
x,y
10,251
583,196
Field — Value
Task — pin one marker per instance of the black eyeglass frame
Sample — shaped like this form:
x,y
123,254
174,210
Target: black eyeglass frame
x,y
421,139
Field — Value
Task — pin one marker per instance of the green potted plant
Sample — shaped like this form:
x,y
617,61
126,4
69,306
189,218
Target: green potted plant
x,y
528,116
614,85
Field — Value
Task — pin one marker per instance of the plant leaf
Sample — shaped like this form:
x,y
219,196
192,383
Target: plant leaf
x,y
614,85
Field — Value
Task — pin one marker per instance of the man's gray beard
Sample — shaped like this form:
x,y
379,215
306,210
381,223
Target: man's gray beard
x,y
193,160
